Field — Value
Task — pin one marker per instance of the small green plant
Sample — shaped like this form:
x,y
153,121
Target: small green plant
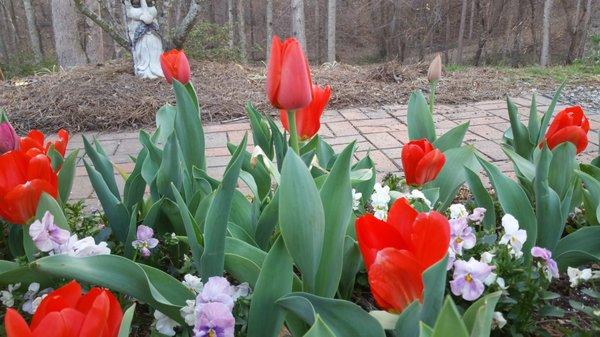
x,y
210,41
23,64
594,51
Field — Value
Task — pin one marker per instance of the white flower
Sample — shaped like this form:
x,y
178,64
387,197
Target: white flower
x,y
164,324
576,276
356,196
418,195
82,248
380,214
241,290
501,283
6,296
31,306
491,279
458,211
193,283
498,320
381,197
513,236
188,312
486,257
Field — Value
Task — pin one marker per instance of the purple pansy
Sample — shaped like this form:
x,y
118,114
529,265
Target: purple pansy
x,y
477,215
46,235
217,289
551,268
469,277
461,235
214,320
145,240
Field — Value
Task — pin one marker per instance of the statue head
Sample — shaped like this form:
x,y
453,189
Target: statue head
x,y
142,10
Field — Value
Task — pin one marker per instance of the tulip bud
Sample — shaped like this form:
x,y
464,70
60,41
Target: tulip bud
x,y
9,140
175,65
435,69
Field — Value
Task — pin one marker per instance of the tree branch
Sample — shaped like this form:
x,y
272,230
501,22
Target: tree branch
x,y
186,25
106,26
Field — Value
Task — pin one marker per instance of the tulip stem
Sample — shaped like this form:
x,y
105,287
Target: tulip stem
x,y
432,87
291,115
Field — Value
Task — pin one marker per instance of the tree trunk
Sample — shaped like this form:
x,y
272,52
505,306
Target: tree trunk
x,y
472,19
317,28
34,36
69,50
94,45
298,22
242,30
269,23
331,25
447,36
586,28
230,22
461,31
546,33
515,54
533,26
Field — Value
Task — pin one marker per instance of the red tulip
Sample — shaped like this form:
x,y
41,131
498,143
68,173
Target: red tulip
x,y
569,125
421,162
23,179
34,143
175,65
289,85
308,119
9,140
397,252
66,312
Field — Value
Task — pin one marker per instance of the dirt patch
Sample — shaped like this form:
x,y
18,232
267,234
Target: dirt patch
x,y
110,97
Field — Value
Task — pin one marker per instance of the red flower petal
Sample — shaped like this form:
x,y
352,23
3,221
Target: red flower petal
x,y
15,324
274,71
412,153
52,325
573,134
395,279
373,235
430,238
64,297
74,321
95,322
401,216
295,88
429,167
115,312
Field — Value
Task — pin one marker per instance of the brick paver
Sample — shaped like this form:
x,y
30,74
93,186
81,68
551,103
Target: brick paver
x,y
379,132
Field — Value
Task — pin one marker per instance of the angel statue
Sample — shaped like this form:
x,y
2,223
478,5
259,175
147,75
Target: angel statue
x,y
143,31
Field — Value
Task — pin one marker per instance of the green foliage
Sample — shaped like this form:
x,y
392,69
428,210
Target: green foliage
x,y
23,64
209,41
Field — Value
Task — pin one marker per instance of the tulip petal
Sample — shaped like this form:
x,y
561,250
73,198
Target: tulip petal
x,y
52,325
115,312
411,155
95,322
15,324
74,321
429,166
295,88
395,279
40,167
430,238
274,71
13,167
20,204
573,134
373,235
401,216
64,297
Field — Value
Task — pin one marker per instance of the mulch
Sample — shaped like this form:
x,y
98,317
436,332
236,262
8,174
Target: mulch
x,y
109,97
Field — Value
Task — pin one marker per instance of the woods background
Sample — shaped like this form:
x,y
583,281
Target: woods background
x,y
42,33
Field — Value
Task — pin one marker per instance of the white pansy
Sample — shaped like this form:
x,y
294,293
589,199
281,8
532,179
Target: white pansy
x,y
188,312
486,257
82,248
164,324
576,276
501,284
491,279
458,211
381,197
513,236
6,296
498,320
193,283
356,196
418,195
380,214
241,290
31,306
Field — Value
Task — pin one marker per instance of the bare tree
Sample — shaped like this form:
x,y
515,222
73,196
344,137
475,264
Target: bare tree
x,y
269,23
461,31
242,30
69,50
298,22
472,19
230,22
34,36
577,28
331,25
546,33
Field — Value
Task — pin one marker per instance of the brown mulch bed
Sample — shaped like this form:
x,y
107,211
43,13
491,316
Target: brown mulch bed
x,y
110,97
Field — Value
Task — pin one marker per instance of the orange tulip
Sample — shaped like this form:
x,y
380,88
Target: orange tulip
x,y
34,143
175,65
289,84
308,119
396,252
23,179
66,312
421,162
569,125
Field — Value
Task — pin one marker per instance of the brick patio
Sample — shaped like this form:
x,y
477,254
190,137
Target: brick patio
x,y
381,132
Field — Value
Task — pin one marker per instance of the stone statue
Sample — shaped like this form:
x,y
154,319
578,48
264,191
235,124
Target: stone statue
x,y
146,44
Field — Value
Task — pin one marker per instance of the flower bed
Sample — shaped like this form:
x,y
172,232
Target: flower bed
x,y
318,247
